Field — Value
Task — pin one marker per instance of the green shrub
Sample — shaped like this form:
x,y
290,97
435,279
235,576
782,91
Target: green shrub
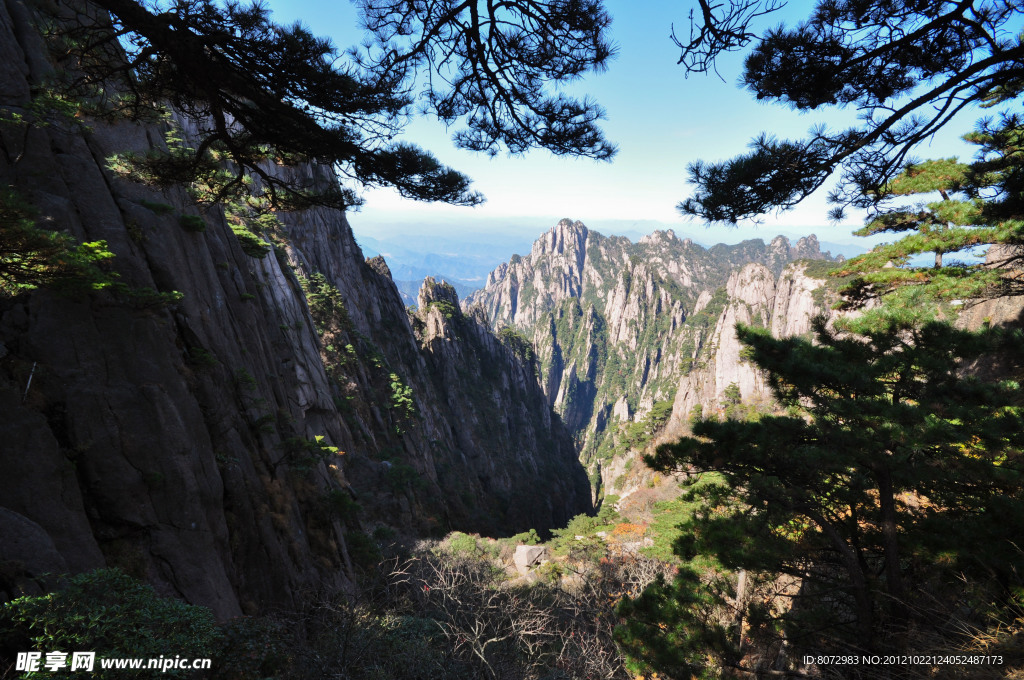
x,y
448,310
401,476
526,538
589,546
266,424
201,358
340,504
371,645
253,648
664,529
157,208
384,534
362,550
244,379
146,297
326,305
252,245
192,223
461,544
109,612
401,398
31,257
518,343
304,454
490,548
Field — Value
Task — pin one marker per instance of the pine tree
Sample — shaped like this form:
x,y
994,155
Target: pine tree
x,y
257,93
892,477
980,204
907,67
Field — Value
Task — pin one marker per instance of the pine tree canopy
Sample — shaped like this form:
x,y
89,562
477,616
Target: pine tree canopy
x,y
495,64
908,67
257,91
890,492
978,204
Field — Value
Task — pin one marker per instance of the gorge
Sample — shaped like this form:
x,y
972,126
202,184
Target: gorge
x,y
205,424
195,424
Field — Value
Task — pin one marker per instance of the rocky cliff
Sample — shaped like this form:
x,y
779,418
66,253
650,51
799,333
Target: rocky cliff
x,y
618,325
236,412
753,296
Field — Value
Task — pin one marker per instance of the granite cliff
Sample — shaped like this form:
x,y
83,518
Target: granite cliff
x,y
228,422
629,333
753,295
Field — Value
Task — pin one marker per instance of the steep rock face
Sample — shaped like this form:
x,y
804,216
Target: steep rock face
x,y
616,324
798,298
189,443
785,304
751,294
518,292
514,462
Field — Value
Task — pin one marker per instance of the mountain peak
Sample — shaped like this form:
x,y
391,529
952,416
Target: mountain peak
x,y
659,236
378,264
808,247
569,224
565,236
434,291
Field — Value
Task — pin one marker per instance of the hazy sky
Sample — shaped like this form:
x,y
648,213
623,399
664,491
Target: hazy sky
x,y
660,119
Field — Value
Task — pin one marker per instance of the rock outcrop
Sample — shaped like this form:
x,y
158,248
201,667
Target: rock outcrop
x,y
753,296
527,556
617,325
219,446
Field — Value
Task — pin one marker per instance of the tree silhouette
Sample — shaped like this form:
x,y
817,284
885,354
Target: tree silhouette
x,y
907,67
493,64
257,92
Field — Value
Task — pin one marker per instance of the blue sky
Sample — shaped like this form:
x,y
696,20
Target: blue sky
x,y
660,119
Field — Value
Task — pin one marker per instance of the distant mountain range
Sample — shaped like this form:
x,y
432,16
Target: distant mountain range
x,y
627,332
465,261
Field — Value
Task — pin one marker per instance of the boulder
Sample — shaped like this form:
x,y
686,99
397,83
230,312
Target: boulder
x,y
27,556
528,556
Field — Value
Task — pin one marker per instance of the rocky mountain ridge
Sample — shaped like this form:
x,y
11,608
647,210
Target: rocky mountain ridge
x,y
572,261
623,329
236,447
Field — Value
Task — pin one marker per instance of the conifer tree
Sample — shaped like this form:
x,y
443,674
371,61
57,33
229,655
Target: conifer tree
x,y
907,67
257,93
979,204
890,492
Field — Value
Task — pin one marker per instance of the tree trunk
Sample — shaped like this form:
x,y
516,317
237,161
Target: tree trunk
x,y
741,596
890,544
864,610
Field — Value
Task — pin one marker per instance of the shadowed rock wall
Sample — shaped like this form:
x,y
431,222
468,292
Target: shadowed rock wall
x,y
185,443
